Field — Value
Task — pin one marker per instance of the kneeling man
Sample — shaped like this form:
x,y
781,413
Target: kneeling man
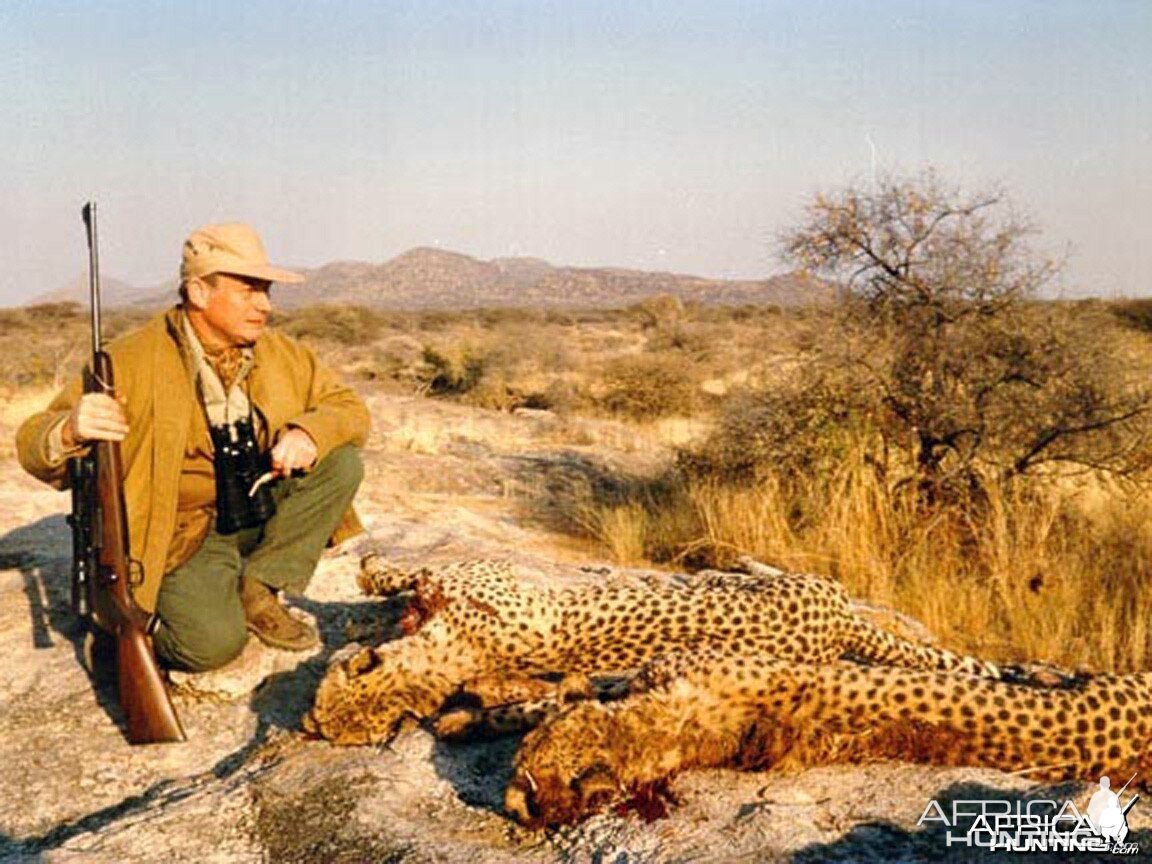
x,y
209,398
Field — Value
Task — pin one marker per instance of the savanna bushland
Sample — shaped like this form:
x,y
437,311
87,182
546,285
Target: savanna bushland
x,y
945,438
934,430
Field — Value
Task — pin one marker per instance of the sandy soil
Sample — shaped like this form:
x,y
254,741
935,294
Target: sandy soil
x,y
444,483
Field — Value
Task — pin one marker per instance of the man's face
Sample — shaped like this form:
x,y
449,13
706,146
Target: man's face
x,y
233,309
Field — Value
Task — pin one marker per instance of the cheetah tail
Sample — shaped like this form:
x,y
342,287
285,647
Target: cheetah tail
x,y
872,643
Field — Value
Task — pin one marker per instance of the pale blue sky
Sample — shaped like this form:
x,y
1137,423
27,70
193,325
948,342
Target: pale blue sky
x,y
679,135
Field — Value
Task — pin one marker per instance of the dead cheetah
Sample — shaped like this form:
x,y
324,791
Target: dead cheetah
x,y
723,708
477,619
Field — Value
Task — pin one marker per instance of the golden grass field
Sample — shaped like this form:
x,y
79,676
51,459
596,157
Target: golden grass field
x,y
1055,570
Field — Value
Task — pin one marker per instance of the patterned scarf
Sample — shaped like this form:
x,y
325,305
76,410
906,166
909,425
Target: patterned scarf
x,y
226,362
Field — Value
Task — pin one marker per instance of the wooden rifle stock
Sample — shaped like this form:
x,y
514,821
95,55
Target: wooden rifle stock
x,y
144,697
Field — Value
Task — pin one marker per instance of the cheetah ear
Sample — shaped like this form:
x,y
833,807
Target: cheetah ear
x,y
596,784
362,662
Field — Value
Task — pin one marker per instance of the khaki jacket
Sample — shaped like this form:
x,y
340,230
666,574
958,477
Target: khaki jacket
x,y
288,386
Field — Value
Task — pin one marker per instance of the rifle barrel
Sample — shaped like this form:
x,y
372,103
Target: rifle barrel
x,y
89,215
1126,785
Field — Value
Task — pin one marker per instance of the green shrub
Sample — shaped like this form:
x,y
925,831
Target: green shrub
x,y
347,325
449,376
1137,314
648,387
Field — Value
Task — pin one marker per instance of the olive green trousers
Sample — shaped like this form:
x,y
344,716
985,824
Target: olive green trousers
x,y
201,620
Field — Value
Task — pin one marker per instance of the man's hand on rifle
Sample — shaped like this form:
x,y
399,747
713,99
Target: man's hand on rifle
x,y
96,417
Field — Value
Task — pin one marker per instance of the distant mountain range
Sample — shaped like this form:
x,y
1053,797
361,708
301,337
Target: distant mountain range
x,y
113,292
425,278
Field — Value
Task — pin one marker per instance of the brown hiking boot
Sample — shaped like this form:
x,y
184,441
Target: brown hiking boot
x,y
270,622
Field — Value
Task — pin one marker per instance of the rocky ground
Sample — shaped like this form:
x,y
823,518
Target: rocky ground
x,y
443,483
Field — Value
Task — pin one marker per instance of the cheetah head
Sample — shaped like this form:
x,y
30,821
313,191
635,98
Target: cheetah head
x,y
352,704
564,770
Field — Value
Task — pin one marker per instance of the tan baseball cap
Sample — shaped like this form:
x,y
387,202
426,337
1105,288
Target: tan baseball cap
x,y
230,248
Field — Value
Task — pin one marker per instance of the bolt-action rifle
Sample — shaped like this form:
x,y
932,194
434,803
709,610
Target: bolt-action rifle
x,y
102,568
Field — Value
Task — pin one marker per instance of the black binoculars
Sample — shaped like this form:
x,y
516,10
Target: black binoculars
x,y
239,463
